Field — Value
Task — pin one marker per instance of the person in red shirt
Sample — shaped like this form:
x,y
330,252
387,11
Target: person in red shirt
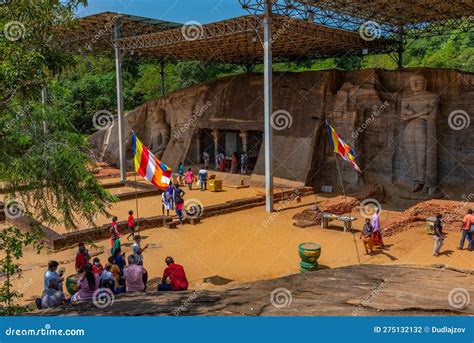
x,y
97,267
467,230
82,258
131,225
176,276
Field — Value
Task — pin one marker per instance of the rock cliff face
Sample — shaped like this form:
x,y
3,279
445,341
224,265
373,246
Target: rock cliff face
x,y
365,107
365,290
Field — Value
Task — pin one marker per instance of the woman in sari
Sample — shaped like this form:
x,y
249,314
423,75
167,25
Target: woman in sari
x,y
376,234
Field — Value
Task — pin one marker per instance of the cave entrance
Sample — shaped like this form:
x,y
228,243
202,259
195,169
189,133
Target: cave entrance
x,y
229,143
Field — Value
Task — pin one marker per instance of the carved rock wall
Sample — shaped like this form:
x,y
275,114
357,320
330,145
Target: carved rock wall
x,y
363,106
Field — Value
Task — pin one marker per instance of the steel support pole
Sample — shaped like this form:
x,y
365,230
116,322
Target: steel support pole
x,y
401,48
268,105
162,76
120,107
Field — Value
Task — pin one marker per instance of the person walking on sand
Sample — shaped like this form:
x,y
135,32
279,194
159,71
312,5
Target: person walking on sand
x,y
114,235
234,166
180,173
439,235
203,178
190,178
243,163
131,225
170,190
220,158
467,231
166,202
376,234
366,236
179,201
206,159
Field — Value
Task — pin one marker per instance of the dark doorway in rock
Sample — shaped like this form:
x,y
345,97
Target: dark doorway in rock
x,y
228,143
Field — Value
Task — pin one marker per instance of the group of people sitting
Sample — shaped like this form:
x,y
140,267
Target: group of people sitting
x,y
116,276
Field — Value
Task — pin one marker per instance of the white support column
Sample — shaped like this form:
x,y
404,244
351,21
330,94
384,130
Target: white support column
x,y
162,77
244,137
120,106
268,105
216,135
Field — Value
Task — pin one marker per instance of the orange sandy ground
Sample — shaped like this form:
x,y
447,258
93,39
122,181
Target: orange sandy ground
x,y
240,247
151,206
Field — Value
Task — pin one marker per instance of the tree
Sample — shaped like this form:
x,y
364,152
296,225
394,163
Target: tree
x,y
46,166
12,242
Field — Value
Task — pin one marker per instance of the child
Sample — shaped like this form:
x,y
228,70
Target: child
x,y
189,177
131,225
366,236
180,173
107,277
97,267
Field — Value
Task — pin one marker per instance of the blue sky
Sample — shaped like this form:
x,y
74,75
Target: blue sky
x,y
181,11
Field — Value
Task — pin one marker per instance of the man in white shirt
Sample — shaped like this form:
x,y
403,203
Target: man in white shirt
x,y
138,251
203,178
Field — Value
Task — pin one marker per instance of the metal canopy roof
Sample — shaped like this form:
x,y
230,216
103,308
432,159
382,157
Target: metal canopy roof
x,y
96,31
412,17
239,40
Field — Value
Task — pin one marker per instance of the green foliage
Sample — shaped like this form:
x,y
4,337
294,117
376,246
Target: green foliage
x,y
12,242
30,53
46,168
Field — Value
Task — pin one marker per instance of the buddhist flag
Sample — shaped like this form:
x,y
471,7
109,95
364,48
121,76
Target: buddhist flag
x,y
341,147
148,166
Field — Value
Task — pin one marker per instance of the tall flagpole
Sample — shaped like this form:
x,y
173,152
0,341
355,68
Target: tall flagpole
x,y
136,187
136,199
345,200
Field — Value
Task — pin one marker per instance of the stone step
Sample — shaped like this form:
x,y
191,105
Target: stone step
x,y
172,225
